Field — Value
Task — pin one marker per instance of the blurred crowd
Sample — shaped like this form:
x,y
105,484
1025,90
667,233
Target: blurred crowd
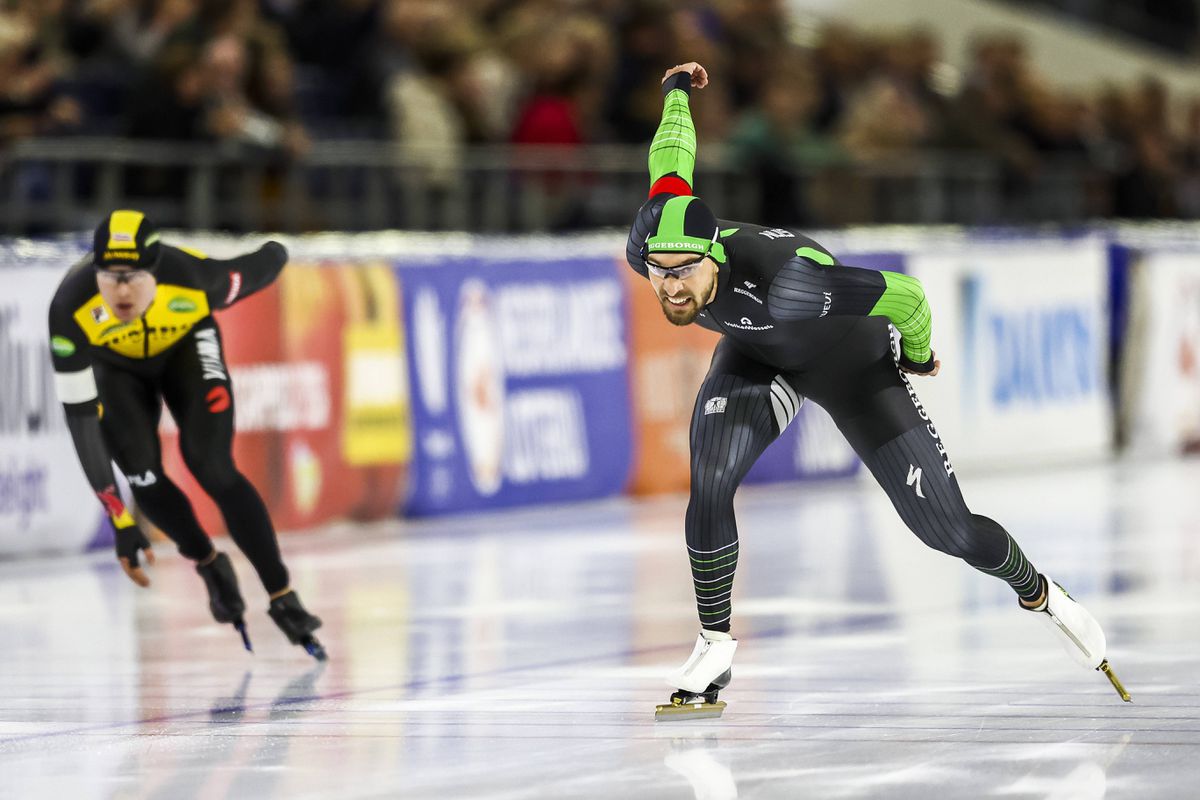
x,y
788,96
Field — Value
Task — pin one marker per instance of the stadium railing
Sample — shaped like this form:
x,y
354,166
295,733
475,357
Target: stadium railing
x,y
49,185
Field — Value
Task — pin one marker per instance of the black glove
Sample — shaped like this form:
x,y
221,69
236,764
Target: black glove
x,y
130,540
907,363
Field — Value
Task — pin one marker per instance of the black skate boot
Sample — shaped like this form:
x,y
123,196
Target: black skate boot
x,y
297,624
224,598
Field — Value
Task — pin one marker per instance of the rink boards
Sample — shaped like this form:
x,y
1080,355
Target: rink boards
x,y
418,374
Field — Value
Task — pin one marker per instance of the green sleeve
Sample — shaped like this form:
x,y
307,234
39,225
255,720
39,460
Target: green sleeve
x,y
673,150
903,302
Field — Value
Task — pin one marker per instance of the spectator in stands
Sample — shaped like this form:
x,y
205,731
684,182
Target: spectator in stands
x,y
988,114
440,76
139,30
169,102
844,62
336,42
896,111
1189,162
231,114
634,103
755,33
419,100
32,100
777,143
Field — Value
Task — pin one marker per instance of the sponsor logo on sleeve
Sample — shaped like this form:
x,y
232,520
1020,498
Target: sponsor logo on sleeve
x,y
181,305
235,287
62,346
716,405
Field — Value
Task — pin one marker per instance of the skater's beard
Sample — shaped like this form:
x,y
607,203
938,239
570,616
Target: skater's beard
x,y
686,313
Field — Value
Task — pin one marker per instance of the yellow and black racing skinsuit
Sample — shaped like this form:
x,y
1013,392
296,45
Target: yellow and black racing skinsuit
x,y
113,376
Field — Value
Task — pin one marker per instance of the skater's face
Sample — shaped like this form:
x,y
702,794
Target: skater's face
x,y
128,292
682,298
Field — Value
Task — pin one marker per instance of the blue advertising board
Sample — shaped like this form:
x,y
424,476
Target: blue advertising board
x,y
518,379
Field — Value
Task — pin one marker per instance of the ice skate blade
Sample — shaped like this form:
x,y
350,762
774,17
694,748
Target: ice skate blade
x,y
671,712
1114,680
314,648
240,627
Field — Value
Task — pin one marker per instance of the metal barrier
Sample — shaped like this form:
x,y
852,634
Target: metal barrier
x,y
49,185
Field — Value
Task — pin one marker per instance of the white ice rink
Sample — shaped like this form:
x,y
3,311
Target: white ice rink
x,y
521,656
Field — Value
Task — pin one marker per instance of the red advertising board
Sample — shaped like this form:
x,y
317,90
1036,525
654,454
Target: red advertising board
x,y
668,365
321,399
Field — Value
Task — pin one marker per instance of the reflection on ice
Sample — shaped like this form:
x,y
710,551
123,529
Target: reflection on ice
x,y
521,656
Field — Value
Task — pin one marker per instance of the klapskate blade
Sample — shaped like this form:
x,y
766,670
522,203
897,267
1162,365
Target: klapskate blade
x,y
1114,680
688,711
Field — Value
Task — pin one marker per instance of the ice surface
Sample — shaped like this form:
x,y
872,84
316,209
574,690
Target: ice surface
x,y
521,656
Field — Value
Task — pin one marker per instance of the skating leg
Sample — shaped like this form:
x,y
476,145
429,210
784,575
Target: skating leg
x,y
702,676
224,597
296,623
1077,630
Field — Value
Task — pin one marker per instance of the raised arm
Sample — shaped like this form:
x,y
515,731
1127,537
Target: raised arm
x,y
226,281
673,149
810,286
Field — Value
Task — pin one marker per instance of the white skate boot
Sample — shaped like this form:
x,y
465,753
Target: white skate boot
x,y
1077,630
706,672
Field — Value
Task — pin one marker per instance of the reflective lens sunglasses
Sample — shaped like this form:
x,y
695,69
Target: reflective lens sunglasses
x,y
118,277
683,271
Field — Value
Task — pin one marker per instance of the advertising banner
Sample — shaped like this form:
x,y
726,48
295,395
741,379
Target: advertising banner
x,y
46,504
519,385
1021,329
1160,380
320,393
669,364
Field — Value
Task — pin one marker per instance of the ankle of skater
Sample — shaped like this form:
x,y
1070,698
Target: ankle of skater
x,y
1039,603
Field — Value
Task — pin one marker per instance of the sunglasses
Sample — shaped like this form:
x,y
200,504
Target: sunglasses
x,y
118,277
682,271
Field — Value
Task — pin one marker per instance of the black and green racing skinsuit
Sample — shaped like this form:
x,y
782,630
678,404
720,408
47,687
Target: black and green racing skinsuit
x,y
796,324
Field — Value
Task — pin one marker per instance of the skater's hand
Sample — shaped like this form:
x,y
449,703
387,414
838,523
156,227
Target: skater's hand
x,y
927,370
130,540
698,73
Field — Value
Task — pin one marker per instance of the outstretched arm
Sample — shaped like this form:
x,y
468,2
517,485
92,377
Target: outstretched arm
x,y
673,150
227,281
807,290
75,384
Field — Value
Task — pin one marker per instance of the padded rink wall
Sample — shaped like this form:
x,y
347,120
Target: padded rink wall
x,y
421,374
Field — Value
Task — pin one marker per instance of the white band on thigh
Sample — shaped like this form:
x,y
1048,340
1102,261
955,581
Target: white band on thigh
x,y
784,402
